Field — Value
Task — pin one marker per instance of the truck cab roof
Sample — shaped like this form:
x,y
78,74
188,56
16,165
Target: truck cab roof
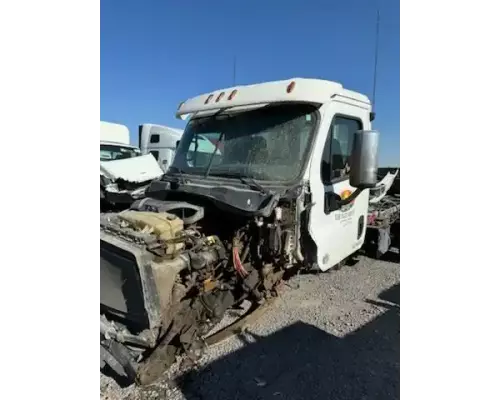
x,y
111,143
113,132
295,90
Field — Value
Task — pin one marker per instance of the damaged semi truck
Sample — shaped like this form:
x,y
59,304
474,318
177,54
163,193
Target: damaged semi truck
x,y
287,187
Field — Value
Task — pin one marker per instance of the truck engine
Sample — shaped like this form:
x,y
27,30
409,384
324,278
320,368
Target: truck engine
x,y
171,269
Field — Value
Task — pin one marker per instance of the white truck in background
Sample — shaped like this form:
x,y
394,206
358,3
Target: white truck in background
x,y
160,141
125,173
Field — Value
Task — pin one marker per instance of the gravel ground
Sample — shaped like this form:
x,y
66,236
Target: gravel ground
x,y
335,336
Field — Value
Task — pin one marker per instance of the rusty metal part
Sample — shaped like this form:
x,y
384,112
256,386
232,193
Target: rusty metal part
x,y
156,365
164,356
209,285
252,315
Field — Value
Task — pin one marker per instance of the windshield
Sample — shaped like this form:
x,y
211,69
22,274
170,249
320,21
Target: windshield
x,y
269,143
111,152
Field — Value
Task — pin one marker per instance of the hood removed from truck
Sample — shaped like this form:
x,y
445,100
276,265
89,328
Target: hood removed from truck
x,y
134,169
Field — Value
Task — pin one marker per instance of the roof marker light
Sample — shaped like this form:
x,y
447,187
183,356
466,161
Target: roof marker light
x,y
209,98
290,87
219,97
233,93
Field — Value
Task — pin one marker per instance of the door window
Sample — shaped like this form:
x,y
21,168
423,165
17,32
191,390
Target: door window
x,y
338,147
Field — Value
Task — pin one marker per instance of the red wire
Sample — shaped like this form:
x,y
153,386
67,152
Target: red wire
x,y
237,263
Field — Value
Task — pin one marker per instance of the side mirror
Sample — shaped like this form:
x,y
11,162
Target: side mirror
x,y
364,160
177,144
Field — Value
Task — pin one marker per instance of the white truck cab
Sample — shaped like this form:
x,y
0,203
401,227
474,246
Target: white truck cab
x,y
302,131
267,180
160,141
124,172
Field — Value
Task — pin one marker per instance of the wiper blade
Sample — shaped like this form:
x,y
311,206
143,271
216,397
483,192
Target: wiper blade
x,y
253,184
250,182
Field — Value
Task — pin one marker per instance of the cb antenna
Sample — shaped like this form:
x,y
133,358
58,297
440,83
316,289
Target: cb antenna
x,y
372,114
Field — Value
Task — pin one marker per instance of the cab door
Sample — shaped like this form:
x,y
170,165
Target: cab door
x,y
337,233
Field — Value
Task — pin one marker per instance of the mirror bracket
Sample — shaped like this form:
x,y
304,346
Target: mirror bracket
x,y
333,202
